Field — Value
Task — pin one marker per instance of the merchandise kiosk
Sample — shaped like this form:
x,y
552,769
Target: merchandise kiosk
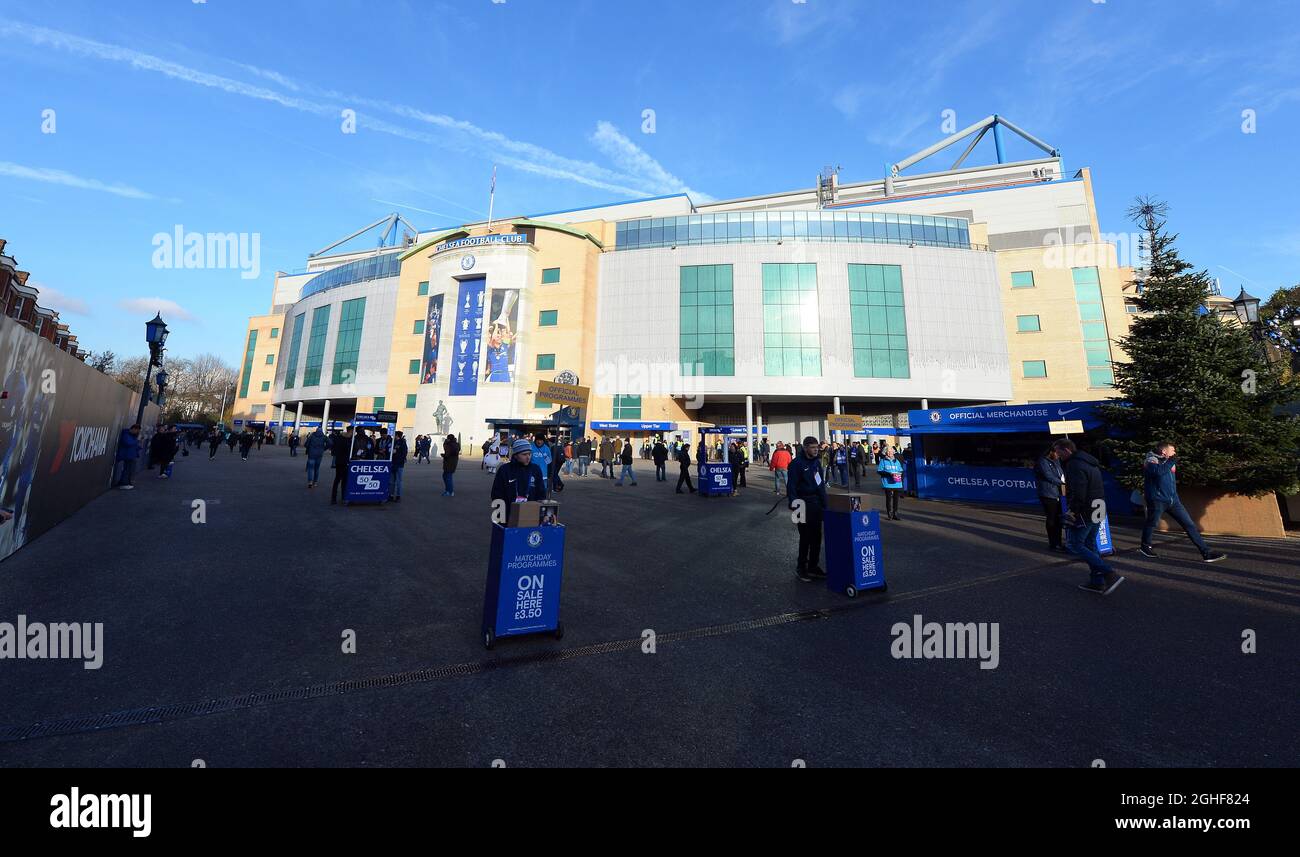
x,y
370,478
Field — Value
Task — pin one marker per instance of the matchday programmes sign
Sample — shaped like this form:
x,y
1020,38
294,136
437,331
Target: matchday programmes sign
x,y
480,241
563,394
468,338
844,422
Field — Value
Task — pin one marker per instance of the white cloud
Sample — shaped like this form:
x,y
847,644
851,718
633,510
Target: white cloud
x,y
60,177
631,158
149,306
57,300
461,135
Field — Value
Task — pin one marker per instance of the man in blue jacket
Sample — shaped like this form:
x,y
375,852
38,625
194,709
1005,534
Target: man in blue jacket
x,y
542,458
807,482
128,453
317,443
1160,488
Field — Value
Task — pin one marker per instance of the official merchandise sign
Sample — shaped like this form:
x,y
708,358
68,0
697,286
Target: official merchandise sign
x,y
1002,418
844,422
468,338
563,394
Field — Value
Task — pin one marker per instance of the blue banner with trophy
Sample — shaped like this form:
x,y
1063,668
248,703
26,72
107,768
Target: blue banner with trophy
x,y
468,338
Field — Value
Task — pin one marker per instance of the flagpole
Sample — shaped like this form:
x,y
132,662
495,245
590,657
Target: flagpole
x,y
492,194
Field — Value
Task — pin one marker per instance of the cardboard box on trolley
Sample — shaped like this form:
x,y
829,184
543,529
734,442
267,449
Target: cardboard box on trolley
x,y
534,514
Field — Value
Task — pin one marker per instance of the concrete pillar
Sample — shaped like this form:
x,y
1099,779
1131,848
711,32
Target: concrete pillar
x,y
838,411
925,404
749,425
297,418
325,419
279,426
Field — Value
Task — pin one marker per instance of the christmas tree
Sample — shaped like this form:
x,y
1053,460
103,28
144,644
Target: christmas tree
x,y
1198,381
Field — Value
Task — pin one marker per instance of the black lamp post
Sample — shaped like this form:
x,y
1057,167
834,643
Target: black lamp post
x,y
1247,307
155,334
161,378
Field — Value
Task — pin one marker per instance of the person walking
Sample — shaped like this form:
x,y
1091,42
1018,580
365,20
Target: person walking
x,y
519,480
584,455
779,465
214,441
606,456
807,482
398,465
245,444
293,445
1051,479
684,460
891,480
626,458
840,454
660,456
317,443
164,450
342,449
231,440
261,436
450,458
128,453
1160,490
736,458
1086,497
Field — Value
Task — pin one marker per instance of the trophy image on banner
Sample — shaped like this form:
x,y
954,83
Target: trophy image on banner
x,y
501,340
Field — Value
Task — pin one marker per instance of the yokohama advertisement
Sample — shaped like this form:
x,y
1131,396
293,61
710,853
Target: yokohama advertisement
x,y
59,424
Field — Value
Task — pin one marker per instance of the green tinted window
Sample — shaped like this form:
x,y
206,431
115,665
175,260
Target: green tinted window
x,y
320,323
347,347
1034,368
419,326
248,363
1027,323
791,325
295,342
410,400
627,407
878,321
545,361
1022,279
550,275
548,318
706,345
423,289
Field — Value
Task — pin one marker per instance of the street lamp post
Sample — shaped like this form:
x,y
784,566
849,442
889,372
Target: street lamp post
x,y
155,334
161,378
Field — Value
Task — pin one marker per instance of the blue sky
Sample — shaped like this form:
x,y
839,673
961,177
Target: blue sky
x,y
224,116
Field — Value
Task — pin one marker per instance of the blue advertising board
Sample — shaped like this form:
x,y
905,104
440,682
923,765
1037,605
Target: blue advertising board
x,y
715,479
965,482
525,573
467,339
368,482
629,425
854,559
1002,418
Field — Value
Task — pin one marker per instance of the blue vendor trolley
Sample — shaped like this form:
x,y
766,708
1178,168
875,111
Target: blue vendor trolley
x,y
525,572
854,559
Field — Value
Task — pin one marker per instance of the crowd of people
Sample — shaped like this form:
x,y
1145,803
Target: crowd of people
x,y
1069,480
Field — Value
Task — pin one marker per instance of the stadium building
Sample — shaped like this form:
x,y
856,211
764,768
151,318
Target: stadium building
x,y
974,285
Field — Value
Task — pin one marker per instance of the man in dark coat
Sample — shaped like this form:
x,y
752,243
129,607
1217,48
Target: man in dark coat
x,y
806,481
1087,499
660,455
519,479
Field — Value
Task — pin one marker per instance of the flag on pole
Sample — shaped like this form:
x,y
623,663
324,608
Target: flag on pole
x,y
492,193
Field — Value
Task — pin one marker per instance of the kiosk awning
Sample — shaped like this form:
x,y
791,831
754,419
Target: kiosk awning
x,y
1001,418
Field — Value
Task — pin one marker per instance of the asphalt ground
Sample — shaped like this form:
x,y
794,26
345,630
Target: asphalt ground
x,y
223,640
